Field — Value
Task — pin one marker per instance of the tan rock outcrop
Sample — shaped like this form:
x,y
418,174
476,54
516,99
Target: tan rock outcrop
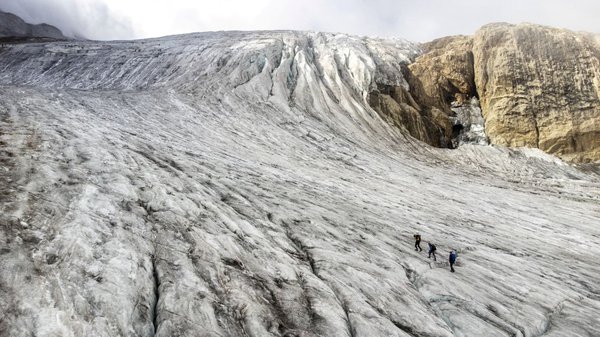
x,y
397,106
539,87
444,73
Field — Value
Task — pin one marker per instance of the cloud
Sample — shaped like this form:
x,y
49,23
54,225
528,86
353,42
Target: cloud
x,y
415,20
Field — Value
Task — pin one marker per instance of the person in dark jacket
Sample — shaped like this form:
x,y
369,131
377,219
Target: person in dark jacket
x,y
452,259
432,251
418,242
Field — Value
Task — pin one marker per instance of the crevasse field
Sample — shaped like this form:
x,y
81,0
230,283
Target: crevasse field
x,y
239,184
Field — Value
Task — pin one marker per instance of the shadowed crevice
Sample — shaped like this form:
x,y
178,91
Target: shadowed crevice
x,y
156,285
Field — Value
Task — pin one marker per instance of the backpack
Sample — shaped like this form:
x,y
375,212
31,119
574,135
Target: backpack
x,y
452,257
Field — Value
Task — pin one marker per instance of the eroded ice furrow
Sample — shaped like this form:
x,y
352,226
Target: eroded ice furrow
x,y
241,186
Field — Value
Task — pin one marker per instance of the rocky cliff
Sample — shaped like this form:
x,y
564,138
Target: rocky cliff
x,y
538,87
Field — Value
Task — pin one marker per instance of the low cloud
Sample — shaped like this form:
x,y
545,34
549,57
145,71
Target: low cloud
x,y
410,19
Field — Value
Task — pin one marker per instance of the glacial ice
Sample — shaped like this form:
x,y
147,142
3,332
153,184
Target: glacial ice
x,y
470,121
238,184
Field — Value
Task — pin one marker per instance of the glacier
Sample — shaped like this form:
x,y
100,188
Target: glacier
x,y
239,184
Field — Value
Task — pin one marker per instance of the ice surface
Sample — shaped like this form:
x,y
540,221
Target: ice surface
x,y
471,123
238,184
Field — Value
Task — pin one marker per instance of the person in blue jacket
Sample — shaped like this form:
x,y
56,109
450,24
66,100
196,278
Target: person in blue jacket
x,y
452,259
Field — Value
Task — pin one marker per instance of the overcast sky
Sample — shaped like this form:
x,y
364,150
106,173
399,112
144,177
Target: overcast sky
x,y
417,20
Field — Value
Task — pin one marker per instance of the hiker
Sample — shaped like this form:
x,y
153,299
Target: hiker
x,y
418,242
432,251
452,259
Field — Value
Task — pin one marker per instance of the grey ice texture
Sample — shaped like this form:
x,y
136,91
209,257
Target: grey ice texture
x,y
469,116
239,184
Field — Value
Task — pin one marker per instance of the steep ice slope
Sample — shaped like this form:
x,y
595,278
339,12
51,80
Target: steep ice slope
x,y
238,184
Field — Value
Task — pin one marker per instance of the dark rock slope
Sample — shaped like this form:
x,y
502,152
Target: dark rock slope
x,y
13,27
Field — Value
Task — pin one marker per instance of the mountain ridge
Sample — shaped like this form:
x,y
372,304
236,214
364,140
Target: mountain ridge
x,y
12,26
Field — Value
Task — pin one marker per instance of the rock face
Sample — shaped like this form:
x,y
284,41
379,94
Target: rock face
x,y
444,73
538,87
397,106
439,79
12,26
